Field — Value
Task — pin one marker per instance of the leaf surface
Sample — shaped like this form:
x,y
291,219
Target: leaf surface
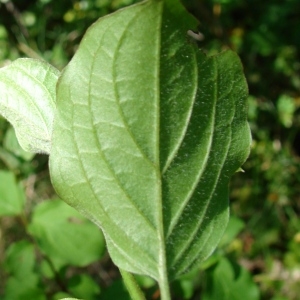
x,y
147,133
27,101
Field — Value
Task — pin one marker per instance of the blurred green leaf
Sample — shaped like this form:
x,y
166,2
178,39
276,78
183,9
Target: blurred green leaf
x,y
64,235
183,288
9,160
20,259
229,281
46,270
23,282
145,281
286,107
233,228
3,32
292,256
116,290
12,198
83,286
28,18
11,144
24,288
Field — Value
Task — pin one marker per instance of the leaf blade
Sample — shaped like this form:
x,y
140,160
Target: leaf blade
x,y
27,100
142,134
120,197
207,182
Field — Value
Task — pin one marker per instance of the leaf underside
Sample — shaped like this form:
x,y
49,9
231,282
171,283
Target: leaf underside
x,y
27,101
147,134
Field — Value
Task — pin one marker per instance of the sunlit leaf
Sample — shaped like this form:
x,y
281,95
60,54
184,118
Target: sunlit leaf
x,y
27,100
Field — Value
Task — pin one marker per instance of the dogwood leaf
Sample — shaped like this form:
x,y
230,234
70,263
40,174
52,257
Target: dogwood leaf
x,y
27,101
147,134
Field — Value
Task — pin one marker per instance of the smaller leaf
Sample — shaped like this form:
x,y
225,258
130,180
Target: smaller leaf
x,y
286,107
9,159
66,236
234,227
145,282
27,101
19,259
183,288
116,290
24,288
230,281
83,286
12,197
23,282
11,143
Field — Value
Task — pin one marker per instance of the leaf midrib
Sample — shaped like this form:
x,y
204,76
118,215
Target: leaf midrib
x,y
162,266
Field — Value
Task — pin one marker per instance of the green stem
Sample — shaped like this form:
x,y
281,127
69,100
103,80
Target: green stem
x,y
132,286
164,289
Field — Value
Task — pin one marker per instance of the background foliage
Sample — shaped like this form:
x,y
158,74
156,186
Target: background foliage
x,y
260,253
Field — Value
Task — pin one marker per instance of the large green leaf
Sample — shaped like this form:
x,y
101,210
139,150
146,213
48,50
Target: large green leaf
x,y
27,100
147,133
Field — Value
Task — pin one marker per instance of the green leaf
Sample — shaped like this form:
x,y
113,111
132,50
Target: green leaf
x,y
11,143
19,259
22,282
24,288
64,235
147,133
83,286
27,101
230,282
235,225
286,107
116,290
12,198
9,159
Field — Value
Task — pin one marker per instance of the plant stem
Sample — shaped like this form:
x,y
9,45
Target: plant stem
x,y
164,290
132,286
